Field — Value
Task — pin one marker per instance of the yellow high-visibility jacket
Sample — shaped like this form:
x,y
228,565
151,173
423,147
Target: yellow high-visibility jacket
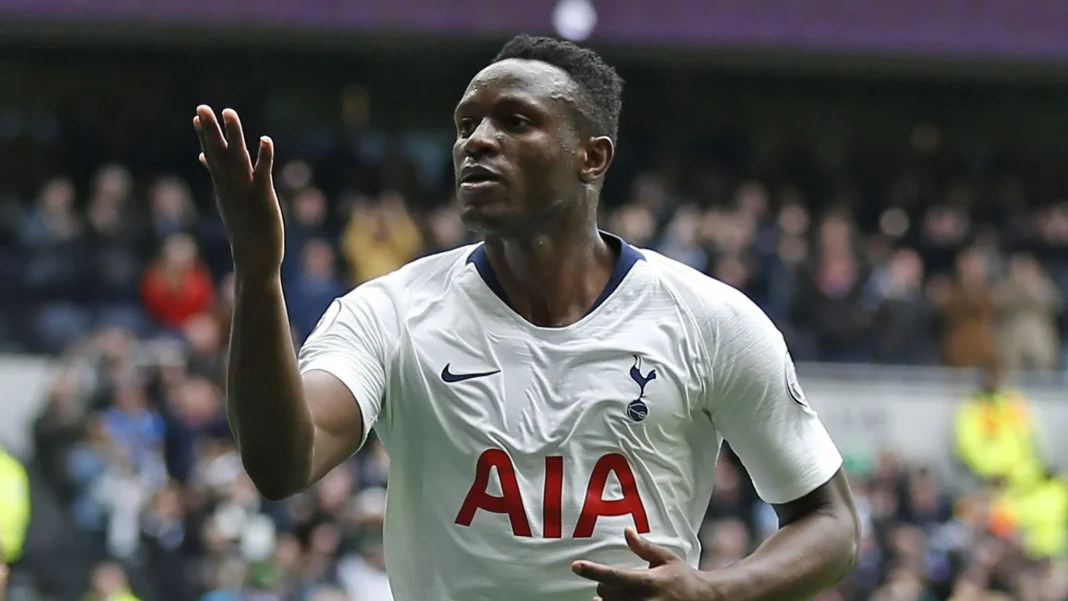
x,y
14,507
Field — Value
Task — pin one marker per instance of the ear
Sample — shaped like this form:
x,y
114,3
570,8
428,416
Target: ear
x,y
596,156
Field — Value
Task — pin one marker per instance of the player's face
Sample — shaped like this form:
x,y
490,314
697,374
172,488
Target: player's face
x,y
517,156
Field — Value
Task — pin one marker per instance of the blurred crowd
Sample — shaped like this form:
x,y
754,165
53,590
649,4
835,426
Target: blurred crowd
x,y
126,278
136,444
932,280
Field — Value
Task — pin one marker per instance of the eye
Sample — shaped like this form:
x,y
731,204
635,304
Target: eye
x,y
517,122
465,126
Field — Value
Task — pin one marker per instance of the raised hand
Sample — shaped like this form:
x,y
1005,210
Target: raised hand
x,y
668,577
244,192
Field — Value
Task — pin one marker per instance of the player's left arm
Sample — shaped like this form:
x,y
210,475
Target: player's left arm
x,y
815,547
760,409
755,402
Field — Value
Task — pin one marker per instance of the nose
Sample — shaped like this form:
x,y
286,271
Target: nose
x,y
483,140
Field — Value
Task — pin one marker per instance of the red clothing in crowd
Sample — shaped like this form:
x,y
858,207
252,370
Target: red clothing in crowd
x,y
173,299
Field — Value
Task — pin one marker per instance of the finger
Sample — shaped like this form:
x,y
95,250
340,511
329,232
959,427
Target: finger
x,y
265,164
213,167
608,593
235,140
203,143
212,141
654,554
613,577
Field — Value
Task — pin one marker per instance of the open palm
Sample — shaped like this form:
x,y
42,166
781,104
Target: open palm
x,y
244,192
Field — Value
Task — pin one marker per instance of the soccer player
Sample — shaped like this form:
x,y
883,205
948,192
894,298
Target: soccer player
x,y
553,400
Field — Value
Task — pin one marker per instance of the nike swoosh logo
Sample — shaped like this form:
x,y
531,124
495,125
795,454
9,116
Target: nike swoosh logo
x,y
452,378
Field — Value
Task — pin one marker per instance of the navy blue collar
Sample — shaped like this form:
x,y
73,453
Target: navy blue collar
x,y
626,257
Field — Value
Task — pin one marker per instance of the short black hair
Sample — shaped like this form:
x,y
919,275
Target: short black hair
x,y
598,82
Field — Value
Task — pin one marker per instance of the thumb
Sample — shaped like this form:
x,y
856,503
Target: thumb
x,y
265,163
654,554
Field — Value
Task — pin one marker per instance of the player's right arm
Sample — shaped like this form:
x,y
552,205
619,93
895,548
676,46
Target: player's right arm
x,y
290,429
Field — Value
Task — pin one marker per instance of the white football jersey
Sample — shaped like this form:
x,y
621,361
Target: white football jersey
x,y
517,449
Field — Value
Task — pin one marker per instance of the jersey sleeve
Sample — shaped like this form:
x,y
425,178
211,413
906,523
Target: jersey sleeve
x,y
353,341
758,406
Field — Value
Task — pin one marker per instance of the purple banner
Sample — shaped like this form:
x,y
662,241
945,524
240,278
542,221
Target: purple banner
x,y
1011,29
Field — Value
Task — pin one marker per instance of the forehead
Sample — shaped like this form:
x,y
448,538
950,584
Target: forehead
x,y
522,80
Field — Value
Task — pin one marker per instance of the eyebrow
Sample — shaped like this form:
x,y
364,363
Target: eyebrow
x,y
508,100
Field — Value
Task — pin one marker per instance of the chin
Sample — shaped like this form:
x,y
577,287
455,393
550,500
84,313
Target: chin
x,y
483,214
490,223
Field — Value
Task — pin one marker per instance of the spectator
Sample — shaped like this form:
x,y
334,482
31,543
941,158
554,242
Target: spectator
x,y
753,200
1052,249
363,573
11,267
134,429
308,222
1039,513
681,240
733,271
52,237
840,326
651,193
903,315
380,237
1052,242
945,230
731,235
1029,305
109,583
446,229
118,247
113,184
165,541
173,211
58,430
787,266
204,346
967,310
194,415
923,504
995,434
633,223
227,581
177,287
15,509
313,288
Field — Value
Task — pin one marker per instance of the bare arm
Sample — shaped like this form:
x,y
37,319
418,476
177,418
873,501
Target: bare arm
x,y
795,467
814,548
291,431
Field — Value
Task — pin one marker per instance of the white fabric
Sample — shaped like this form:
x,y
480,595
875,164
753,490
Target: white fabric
x,y
562,403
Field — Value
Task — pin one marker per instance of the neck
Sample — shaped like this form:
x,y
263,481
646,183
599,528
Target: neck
x,y
552,278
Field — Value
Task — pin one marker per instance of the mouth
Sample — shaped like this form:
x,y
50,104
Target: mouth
x,y
477,177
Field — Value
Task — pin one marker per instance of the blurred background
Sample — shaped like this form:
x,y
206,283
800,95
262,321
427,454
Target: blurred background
x,y
887,179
